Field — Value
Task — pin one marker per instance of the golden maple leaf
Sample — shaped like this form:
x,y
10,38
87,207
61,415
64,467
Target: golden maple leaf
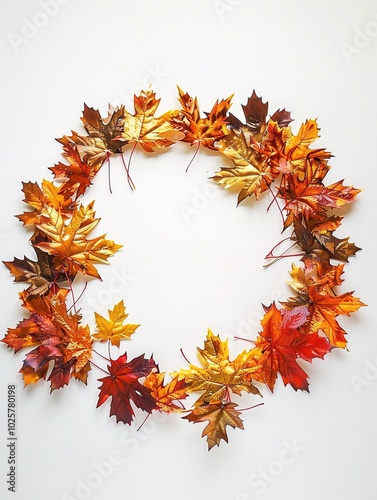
x,y
219,375
114,329
251,170
67,242
144,127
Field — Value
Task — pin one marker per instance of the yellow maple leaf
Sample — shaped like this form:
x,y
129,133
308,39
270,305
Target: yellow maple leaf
x,y
114,329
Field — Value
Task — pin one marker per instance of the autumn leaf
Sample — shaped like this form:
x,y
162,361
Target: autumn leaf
x,y
281,343
255,112
40,274
321,246
202,131
78,174
58,338
166,394
220,376
67,242
324,308
114,329
103,140
304,193
144,128
40,197
107,129
123,386
220,415
251,173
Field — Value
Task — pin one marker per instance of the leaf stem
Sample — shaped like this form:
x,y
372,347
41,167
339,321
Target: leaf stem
x,y
183,354
127,167
251,407
101,356
99,368
108,173
193,158
143,422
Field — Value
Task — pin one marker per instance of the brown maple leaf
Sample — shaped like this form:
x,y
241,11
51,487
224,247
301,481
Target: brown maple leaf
x,y
220,415
104,139
40,274
255,112
320,246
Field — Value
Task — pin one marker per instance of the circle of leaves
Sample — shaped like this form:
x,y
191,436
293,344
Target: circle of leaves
x,y
262,150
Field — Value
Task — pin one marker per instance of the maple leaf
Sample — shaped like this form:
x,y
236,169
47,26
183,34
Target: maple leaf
x,y
79,347
79,173
166,394
109,129
123,386
302,281
40,274
219,375
255,112
324,308
318,295
48,195
251,170
281,343
73,252
291,153
114,329
304,193
219,416
103,140
203,131
320,246
60,340
145,128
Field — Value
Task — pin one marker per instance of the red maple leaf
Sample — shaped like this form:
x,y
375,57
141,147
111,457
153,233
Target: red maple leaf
x,y
281,343
123,386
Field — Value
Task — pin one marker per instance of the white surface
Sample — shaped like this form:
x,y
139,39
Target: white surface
x,y
183,276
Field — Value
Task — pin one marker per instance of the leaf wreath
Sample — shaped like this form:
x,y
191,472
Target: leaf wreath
x,y
263,150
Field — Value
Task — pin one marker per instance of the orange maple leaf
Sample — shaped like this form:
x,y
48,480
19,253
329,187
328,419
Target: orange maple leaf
x,y
202,131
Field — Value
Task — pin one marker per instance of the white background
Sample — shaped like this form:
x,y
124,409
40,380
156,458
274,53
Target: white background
x,y
184,273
